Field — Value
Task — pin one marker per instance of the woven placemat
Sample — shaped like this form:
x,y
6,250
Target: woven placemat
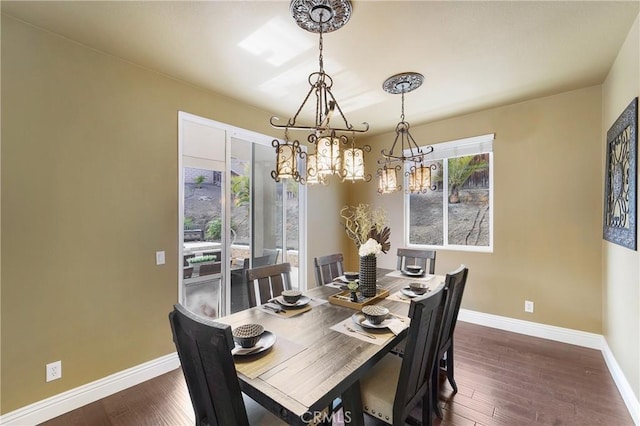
x,y
252,366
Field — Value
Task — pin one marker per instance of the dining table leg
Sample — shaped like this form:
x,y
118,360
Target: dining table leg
x,y
352,406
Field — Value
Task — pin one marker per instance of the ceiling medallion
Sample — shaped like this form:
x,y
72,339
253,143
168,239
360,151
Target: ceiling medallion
x,y
403,83
314,15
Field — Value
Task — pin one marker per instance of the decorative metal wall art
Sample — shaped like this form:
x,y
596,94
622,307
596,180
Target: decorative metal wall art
x,y
621,170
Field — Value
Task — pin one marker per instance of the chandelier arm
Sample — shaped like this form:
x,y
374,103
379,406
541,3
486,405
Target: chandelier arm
x,y
346,123
410,142
389,154
291,123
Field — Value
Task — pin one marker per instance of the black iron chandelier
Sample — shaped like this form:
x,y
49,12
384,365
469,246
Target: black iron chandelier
x,y
329,157
407,150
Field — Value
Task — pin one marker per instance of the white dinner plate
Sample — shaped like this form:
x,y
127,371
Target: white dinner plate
x,y
266,341
409,293
303,301
413,274
359,319
342,279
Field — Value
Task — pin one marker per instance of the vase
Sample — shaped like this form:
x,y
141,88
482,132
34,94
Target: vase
x,y
368,275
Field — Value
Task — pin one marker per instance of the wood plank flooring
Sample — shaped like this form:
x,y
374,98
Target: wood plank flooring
x,y
503,379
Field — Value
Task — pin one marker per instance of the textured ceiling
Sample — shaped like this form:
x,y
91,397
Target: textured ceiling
x,y
474,55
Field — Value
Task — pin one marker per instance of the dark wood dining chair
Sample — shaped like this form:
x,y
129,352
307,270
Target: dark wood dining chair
x,y
265,260
328,267
425,258
239,298
412,373
204,348
455,283
273,255
265,282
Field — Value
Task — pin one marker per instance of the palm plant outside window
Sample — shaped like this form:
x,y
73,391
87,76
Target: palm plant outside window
x,y
458,213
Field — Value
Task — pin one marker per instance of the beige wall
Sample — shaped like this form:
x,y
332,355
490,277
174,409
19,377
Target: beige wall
x,y
89,189
621,266
323,224
547,228
85,136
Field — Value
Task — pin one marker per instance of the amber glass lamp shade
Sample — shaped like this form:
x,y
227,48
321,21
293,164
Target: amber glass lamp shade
x,y
328,155
388,180
419,178
353,164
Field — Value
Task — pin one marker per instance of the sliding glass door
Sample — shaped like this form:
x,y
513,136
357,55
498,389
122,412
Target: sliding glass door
x,y
202,194
262,217
233,215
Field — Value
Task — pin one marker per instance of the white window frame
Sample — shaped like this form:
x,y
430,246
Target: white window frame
x,y
443,151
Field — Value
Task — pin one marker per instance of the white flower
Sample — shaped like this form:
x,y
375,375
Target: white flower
x,y
371,247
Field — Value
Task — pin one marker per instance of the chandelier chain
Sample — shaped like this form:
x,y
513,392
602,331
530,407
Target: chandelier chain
x,y
320,57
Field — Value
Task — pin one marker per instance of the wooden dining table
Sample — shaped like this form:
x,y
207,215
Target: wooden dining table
x,y
310,364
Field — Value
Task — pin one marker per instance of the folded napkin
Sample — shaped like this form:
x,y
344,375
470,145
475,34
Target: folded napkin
x,y
396,325
335,284
399,297
239,350
283,312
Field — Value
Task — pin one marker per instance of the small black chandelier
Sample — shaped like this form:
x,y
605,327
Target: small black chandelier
x,y
392,161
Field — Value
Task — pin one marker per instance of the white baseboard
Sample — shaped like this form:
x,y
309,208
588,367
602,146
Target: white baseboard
x,y
75,398
633,404
544,331
564,335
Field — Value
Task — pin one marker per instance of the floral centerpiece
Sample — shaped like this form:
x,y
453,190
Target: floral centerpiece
x,y
366,226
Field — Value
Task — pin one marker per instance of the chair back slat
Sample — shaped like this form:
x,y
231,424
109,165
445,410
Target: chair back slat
x,y
265,282
420,352
204,348
328,267
425,258
455,283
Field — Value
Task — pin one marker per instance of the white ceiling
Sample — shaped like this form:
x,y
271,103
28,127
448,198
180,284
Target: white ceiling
x,y
473,54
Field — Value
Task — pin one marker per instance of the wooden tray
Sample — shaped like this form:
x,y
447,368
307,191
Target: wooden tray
x,y
344,299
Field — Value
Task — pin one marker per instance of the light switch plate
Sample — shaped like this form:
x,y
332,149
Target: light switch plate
x,y
160,258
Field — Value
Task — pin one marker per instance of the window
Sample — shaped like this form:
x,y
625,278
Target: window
x,y
458,213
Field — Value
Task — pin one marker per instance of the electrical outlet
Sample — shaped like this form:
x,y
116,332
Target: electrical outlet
x,y
528,306
54,371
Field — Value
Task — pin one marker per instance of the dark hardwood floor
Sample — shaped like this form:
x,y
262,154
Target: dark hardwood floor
x,y
503,379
